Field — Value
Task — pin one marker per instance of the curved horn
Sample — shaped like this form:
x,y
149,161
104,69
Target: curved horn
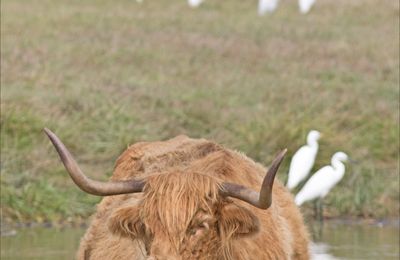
x,y
86,184
263,199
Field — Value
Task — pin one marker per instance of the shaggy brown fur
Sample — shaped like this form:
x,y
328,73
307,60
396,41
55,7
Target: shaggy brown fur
x,y
181,215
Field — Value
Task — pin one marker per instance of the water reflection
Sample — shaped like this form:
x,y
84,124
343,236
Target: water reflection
x,y
332,240
320,252
349,240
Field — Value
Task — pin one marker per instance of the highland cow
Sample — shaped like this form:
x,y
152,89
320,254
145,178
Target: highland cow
x,y
189,199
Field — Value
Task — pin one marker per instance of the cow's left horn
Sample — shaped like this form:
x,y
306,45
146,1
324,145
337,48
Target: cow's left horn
x,y
263,199
86,184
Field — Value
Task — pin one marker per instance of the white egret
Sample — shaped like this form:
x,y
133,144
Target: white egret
x,y
194,3
305,5
303,160
319,185
267,6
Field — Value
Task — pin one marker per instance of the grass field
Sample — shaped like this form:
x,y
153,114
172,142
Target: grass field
x,y
105,74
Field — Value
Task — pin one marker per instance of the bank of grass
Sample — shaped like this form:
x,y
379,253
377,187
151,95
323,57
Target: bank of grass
x,y
105,74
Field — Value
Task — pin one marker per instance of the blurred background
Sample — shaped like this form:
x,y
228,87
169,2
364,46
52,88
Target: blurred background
x,y
106,74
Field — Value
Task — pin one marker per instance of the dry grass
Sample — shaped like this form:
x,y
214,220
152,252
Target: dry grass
x,y
106,74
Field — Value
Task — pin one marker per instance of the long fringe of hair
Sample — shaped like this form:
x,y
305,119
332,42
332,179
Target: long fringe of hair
x,y
167,194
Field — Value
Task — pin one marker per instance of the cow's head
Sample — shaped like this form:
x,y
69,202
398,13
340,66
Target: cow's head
x,y
181,215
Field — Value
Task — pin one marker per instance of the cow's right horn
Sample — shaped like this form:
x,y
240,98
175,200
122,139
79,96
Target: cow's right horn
x,y
262,199
86,184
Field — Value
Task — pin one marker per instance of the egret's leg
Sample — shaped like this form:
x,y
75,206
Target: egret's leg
x,y
320,210
315,203
317,229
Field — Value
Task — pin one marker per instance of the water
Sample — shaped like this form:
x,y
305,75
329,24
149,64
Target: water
x,y
341,240
41,243
333,240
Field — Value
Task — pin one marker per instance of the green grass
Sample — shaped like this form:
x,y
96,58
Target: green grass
x,y
104,74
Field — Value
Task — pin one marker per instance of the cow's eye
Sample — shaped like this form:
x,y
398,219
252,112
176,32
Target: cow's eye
x,y
198,229
204,225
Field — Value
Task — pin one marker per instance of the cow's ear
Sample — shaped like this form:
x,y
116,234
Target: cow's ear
x,y
237,221
126,222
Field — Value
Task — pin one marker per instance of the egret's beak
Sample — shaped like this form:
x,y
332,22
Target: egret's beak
x,y
352,161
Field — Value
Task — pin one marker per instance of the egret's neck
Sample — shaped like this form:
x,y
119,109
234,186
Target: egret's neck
x,y
338,166
312,143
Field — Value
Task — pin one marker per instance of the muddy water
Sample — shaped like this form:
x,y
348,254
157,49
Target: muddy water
x,y
333,240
